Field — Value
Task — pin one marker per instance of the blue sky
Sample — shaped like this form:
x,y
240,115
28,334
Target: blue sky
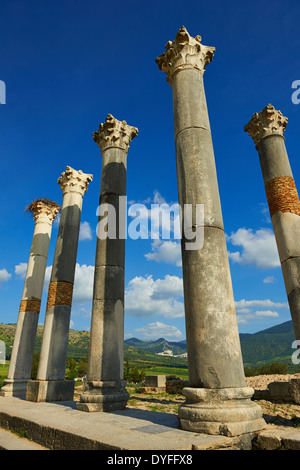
x,y
67,64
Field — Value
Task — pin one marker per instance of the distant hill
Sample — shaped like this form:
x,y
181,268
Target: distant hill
x,y
158,346
264,347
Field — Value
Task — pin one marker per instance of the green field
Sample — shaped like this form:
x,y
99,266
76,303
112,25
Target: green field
x,y
3,373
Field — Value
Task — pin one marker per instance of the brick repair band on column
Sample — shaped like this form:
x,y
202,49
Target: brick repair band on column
x,y
30,305
282,195
60,293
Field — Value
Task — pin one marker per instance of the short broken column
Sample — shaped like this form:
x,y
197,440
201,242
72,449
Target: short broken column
x,y
104,388
19,372
267,128
50,384
217,400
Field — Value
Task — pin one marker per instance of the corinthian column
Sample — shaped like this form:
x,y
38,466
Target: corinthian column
x,y
50,384
217,401
267,129
104,388
44,212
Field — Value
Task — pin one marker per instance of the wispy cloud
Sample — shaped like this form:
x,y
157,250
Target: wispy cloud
x,y
248,310
157,330
4,275
166,252
145,296
20,270
258,248
85,232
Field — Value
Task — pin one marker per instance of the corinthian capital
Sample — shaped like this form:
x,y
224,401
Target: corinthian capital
x,y
184,52
43,209
74,181
267,122
114,133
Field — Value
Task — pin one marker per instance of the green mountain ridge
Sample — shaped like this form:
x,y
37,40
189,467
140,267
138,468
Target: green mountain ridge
x,y
264,347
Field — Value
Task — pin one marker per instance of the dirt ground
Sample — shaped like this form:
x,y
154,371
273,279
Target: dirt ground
x,y
279,414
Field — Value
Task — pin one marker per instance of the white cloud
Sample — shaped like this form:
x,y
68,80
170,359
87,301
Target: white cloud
x,y
4,275
157,330
147,297
246,309
85,232
20,270
165,251
83,282
267,303
269,280
265,313
258,248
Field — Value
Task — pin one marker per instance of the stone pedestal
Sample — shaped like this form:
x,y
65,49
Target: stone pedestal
x,y
50,384
214,354
44,212
104,388
267,129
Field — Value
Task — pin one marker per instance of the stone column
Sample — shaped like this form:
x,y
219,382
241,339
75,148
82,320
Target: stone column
x,y
50,384
267,129
104,388
218,402
44,212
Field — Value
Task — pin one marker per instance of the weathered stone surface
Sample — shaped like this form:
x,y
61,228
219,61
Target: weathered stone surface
x,y
52,365
44,212
107,351
294,390
214,352
155,380
267,122
229,412
279,391
267,129
106,356
50,390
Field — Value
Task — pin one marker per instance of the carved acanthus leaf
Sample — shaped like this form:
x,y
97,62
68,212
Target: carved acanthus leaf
x,y
184,52
114,133
267,122
74,181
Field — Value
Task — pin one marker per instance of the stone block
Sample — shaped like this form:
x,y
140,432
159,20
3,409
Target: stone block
x,y
294,390
155,380
50,390
279,391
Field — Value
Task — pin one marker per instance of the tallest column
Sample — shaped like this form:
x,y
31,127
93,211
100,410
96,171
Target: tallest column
x,y
218,402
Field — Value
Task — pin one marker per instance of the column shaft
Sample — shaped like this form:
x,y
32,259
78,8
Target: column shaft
x,y
266,129
104,388
217,400
20,365
50,384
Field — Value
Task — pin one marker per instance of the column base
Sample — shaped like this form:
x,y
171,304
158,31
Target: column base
x,y
50,390
103,396
227,411
14,388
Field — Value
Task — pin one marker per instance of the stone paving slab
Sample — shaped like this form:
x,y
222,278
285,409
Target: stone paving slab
x,y
279,437
10,441
59,426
